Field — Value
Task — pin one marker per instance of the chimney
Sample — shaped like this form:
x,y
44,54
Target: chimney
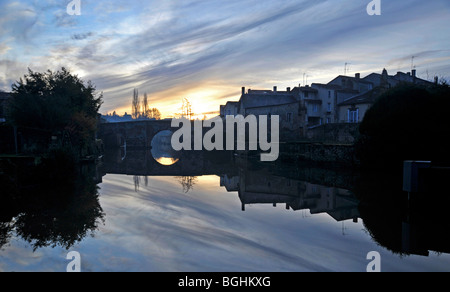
x,y
274,89
358,75
288,89
413,73
243,90
436,80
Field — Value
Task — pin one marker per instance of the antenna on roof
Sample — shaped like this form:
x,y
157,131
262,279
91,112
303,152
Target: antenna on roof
x,y
412,62
346,69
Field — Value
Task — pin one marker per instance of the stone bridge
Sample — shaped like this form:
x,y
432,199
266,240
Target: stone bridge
x,y
136,134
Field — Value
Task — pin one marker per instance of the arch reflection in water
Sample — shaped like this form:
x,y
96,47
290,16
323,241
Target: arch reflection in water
x,y
162,150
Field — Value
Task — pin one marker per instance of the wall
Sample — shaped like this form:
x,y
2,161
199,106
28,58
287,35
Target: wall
x,y
341,133
343,112
338,154
289,130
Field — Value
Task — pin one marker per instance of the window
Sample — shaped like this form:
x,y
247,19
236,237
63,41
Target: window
x,y
289,117
306,93
315,108
329,94
329,107
353,115
328,120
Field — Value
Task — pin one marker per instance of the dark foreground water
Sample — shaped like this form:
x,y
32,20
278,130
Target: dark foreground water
x,y
227,215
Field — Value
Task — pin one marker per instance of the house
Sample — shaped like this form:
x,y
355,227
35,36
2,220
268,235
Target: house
x,y
352,83
389,81
114,118
4,97
354,109
329,95
284,104
231,108
345,99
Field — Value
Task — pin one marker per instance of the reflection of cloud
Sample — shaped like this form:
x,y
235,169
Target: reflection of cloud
x,y
172,232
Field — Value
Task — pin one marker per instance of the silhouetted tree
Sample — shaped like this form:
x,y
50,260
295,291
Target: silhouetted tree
x,y
136,105
154,113
147,112
145,106
56,102
186,109
408,122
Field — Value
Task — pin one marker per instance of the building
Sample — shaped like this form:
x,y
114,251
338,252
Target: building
x,y
345,99
284,104
4,97
262,187
231,108
114,118
353,110
352,83
389,81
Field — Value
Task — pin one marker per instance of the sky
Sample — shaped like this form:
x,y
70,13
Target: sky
x,y
207,51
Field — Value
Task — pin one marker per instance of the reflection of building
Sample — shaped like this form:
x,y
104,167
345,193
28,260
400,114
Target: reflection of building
x,y
259,187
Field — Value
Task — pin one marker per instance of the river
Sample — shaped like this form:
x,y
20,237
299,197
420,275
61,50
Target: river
x,y
217,214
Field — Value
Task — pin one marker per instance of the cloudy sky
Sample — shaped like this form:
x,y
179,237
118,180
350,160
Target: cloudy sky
x,y
206,50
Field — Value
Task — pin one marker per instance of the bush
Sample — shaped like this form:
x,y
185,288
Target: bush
x,y
408,122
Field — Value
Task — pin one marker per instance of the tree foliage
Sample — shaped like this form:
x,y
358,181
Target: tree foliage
x,y
408,122
136,105
56,102
142,110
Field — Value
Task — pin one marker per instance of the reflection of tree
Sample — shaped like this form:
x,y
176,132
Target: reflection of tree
x,y
404,226
137,181
51,208
187,182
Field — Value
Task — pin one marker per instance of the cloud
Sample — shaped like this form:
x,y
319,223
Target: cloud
x,y
4,49
82,36
166,47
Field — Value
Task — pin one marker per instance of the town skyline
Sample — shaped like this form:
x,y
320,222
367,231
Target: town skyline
x,y
207,51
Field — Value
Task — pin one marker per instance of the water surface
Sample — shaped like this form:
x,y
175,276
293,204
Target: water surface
x,y
237,216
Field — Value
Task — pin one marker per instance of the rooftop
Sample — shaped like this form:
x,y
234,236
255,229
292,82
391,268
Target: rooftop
x,y
264,100
367,97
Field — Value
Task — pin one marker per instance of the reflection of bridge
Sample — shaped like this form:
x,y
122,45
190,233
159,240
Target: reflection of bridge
x,y
137,134
255,184
140,162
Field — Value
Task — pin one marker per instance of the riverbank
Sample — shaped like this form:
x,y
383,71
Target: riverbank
x,y
318,152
